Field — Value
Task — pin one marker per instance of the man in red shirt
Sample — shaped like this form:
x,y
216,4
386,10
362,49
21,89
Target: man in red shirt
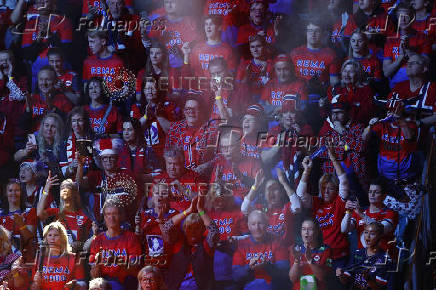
x,y
259,259
102,63
184,184
274,92
178,30
314,62
68,80
203,52
48,100
193,135
115,254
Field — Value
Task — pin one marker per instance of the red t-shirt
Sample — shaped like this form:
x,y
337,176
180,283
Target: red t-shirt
x,y
418,42
427,92
105,68
125,247
59,270
394,146
154,245
7,221
270,250
274,91
98,4
371,66
246,166
321,63
203,53
57,24
190,182
113,122
195,141
78,223
230,223
320,256
385,214
249,29
40,108
329,217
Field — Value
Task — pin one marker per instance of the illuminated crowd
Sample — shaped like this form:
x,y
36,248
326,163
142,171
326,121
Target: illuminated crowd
x,y
214,144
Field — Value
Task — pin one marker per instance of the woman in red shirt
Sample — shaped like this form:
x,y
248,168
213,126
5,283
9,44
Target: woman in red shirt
x,y
310,262
75,221
58,267
104,118
329,209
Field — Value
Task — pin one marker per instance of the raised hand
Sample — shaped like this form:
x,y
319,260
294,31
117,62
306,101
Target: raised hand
x,y
307,163
260,178
51,181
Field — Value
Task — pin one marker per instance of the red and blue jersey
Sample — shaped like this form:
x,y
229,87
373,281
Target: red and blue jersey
x,y
59,270
315,63
274,92
270,250
203,53
113,123
77,222
105,68
230,223
329,217
125,247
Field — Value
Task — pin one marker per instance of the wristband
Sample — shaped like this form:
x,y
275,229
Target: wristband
x,y
218,98
23,227
145,116
253,187
44,192
201,213
184,213
347,212
185,62
11,78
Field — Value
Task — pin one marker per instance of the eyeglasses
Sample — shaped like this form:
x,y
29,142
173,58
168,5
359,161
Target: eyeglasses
x,y
191,109
107,158
313,31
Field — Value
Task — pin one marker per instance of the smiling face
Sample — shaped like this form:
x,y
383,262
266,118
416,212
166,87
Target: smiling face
x,y
150,91
192,113
109,162
229,146
257,13
289,119
95,91
349,75
46,81
149,281
257,225
161,197
174,166
256,49
249,125
78,124
13,193
339,115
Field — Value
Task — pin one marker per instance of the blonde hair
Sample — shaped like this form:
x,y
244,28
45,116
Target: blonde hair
x,y
156,273
58,139
192,220
357,67
65,245
5,240
328,178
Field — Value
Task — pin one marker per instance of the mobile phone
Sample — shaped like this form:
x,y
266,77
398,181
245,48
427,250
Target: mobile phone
x,y
31,138
84,147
